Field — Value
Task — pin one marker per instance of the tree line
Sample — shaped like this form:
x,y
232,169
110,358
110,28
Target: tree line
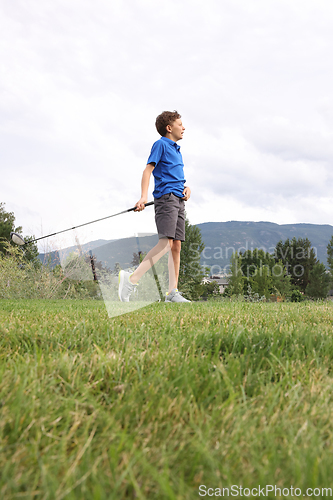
x,y
291,272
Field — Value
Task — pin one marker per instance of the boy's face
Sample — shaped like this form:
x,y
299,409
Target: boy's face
x,y
176,130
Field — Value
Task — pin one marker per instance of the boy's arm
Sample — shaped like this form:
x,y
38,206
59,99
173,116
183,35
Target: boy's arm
x,y
144,187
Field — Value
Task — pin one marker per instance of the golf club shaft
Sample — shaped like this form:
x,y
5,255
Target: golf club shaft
x,y
91,222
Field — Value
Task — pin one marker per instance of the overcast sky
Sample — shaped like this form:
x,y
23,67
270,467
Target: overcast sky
x,y
82,82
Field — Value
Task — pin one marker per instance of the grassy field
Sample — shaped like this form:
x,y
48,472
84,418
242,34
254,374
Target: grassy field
x,y
158,402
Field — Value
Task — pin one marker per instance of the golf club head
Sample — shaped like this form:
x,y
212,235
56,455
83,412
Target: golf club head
x,y
17,239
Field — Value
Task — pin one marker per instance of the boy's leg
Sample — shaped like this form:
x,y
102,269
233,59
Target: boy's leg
x,y
170,219
154,255
164,245
174,259
174,263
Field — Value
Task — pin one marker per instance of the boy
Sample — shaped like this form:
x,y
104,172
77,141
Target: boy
x,y
166,164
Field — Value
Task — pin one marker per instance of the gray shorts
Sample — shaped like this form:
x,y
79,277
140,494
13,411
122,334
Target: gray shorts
x,y
170,217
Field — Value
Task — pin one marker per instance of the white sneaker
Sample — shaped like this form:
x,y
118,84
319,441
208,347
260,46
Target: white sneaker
x,y
175,296
125,287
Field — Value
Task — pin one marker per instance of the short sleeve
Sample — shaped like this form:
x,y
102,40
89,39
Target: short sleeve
x,y
156,152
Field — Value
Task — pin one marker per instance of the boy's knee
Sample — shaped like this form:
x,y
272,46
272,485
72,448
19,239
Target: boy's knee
x,y
176,246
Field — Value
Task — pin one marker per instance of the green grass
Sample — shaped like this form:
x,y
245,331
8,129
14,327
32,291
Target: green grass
x,y
155,403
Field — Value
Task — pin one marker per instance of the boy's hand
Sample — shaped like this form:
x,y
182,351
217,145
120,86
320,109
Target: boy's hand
x,y
186,193
140,205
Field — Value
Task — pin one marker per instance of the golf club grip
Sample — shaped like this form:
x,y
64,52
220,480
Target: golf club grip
x,y
146,205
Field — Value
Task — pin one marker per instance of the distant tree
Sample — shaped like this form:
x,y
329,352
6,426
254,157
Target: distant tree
x,y
116,269
261,282
264,275
137,258
299,259
99,265
281,280
319,282
254,259
330,257
210,289
31,252
190,270
253,263
7,225
236,280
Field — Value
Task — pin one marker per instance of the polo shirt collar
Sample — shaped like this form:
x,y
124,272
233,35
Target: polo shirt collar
x,y
171,142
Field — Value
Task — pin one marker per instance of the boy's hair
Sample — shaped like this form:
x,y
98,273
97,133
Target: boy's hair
x,y
164,119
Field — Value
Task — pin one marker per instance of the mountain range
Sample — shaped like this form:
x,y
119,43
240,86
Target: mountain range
x,y
221,240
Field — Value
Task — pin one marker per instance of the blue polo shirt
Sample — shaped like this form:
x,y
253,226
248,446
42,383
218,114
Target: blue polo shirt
x,y
169,168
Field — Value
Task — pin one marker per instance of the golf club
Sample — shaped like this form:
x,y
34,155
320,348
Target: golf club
x,y
20,241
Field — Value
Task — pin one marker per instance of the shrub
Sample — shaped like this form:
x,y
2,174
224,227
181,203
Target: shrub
x,y
20,279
